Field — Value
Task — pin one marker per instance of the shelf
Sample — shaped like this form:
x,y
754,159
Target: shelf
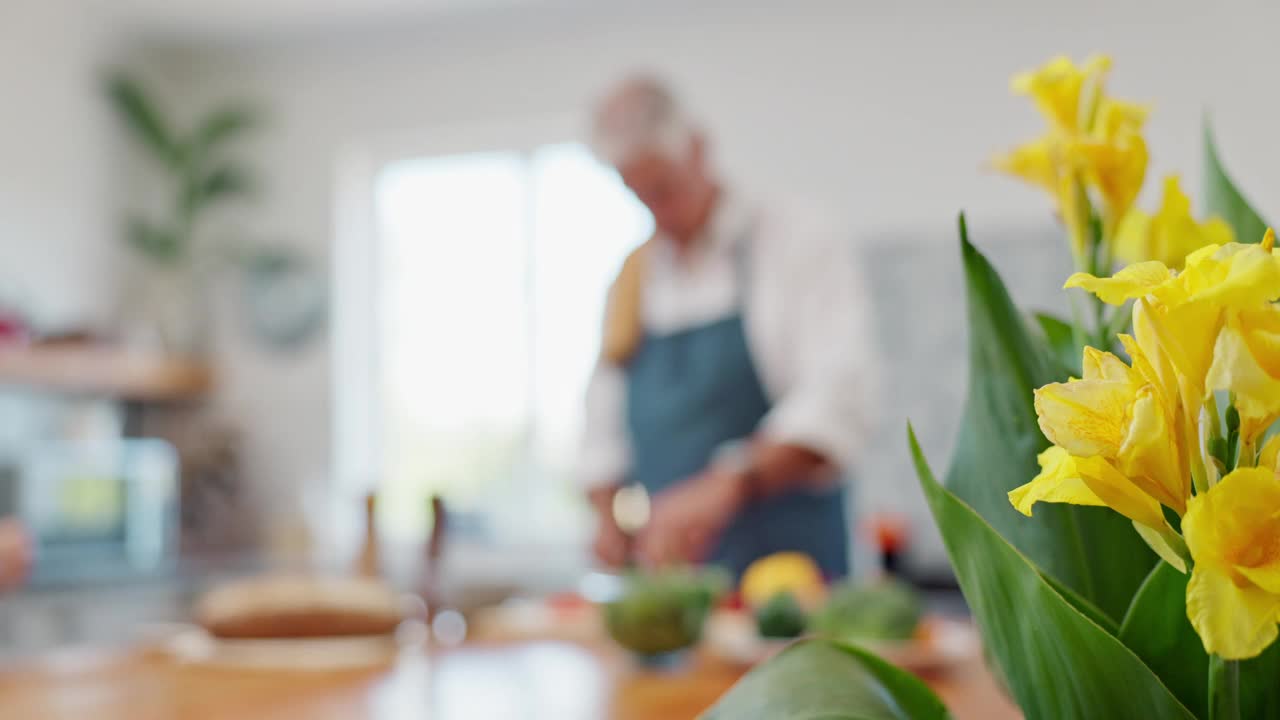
x,y
104,371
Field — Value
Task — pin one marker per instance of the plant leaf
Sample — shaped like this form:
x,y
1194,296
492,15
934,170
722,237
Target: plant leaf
x,y
157,243
1093,551
224,182
1224,199
1060,337
143,119
1260,685
1057,662
1156,628
224,125
815,679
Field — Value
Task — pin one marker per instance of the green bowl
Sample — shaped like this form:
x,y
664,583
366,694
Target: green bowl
x,y
663,612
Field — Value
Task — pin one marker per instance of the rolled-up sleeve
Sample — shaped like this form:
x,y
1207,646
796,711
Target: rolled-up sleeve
x,y
828,400
605,452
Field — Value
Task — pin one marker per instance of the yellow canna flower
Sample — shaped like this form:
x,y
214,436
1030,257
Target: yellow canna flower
x,y
1171,234
1134,281
1114,157
1058,482
1178,316
1118,427
1061,90
1235,276
1233,534
1246,361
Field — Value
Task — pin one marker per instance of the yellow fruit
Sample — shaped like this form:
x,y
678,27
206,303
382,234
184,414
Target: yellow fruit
x,y
789,572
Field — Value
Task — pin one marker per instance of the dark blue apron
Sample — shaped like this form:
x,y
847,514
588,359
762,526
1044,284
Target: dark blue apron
x,y
689,393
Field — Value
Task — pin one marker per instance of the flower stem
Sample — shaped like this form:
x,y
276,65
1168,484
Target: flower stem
x,y
1224,689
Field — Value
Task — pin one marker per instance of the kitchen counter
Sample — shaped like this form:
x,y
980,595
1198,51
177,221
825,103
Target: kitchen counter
x,y
571,678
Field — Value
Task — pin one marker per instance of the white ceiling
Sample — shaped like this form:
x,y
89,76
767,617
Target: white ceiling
x,y
268,18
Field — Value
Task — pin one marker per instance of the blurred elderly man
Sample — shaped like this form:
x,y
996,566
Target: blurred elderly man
x,y
737,364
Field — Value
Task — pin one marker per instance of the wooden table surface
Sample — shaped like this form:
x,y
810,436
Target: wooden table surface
x,y
510,680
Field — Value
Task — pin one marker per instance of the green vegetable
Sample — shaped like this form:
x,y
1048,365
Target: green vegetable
x,y
663,612
781,617
886,610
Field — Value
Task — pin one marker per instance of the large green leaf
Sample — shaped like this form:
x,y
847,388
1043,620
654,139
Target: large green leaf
x,y
1157,629
1260,685
827,680
1093,551
1224,199
1060,337
1058,663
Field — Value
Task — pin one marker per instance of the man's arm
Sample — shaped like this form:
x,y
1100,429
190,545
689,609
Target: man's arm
x,y
824,413
604,457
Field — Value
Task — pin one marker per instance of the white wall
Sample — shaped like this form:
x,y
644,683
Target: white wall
x,y
56,223
886,115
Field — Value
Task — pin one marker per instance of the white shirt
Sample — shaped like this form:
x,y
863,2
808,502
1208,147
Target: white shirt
x,y
807,319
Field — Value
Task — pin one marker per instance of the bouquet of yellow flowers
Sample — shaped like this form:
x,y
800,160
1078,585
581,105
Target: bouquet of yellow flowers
x,y
1144,433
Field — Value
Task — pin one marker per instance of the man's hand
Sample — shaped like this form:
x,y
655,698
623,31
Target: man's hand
x,y
15,554
686,520
612,547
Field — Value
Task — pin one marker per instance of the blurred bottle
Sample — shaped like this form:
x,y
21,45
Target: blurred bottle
x,y
370,561
890,534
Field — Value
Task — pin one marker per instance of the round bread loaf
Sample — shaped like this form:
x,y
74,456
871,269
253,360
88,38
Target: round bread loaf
x,y
300,607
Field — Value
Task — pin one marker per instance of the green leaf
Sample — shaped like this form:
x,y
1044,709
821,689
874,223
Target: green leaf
x,y
1260,685
1093,551
1060,336
157,243
1156,628
143,119
224,182
824,679
221,183
1224,199
223,126
1084,607
1058,663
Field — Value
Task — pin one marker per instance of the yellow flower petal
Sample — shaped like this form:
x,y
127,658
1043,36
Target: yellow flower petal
x,y
1132,282
1246,361
1150,456
1035,162
1135,240
1184,336
1160,378
1118,492
1236,276
1158,541
1116,167
1117,117
1237,514
1058,482
1233,622
1172,234
1270,456
1265,576
1099,365
1086,417
1058,86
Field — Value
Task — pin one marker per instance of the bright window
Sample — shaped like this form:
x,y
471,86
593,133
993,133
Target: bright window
x,y
492,272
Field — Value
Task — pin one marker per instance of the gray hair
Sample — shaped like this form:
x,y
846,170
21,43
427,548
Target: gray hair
x,y
639,114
